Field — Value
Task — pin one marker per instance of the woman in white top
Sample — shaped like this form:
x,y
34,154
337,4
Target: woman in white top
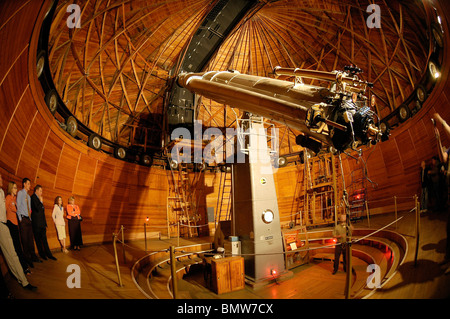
x,y
58,219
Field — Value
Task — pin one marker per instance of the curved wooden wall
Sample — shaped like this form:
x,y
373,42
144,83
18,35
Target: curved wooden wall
x,y
110,192
113,193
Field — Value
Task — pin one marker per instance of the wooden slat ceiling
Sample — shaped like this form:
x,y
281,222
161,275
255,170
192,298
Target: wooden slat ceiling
x,y
115,69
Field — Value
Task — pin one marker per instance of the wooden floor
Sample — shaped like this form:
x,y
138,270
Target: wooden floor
x,y
313,281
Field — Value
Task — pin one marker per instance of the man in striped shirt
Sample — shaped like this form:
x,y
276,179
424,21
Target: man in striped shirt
x,y
25,226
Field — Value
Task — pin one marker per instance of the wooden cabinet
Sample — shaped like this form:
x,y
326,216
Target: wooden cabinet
x,y
227,274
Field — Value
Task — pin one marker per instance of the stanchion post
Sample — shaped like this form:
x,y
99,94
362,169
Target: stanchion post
x,y
117,259
417,230
368,215
167,218
395,208
348,282
174,273
145,236
178,236
123,245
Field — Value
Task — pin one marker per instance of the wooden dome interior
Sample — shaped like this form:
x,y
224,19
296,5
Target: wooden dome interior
x,y
114,71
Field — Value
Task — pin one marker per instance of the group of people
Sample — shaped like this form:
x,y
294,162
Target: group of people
x,y
445,159
433,179
23,225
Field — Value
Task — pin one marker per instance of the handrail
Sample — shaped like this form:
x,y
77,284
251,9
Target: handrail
x,y
354,241
174,273
115,254
137,263
366,205
168,259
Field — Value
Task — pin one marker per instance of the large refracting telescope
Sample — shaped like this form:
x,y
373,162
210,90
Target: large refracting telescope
x,y
333,116
336,115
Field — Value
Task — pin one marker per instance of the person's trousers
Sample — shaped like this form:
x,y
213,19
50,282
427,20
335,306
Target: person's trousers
x,y
76,238
9,253
40,237
4,291
424,199
26,236
447,248
338,250
15,236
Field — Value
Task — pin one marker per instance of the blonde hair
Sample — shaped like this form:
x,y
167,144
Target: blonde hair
x,y
10,187
71,199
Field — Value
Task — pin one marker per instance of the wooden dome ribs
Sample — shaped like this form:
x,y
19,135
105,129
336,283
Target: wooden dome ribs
x,y
226,53
135,41
116,35
345,48
103,184
271,41
287,45
267,44
262,54
172,36
238,57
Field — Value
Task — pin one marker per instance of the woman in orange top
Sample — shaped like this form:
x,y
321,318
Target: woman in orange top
x,y
74,219
13,225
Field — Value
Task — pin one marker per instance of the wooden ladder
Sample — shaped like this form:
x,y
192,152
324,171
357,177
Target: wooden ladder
x,y
182,196
357,193
322,189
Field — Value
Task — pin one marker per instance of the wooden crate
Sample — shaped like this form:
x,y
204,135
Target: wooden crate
x,y
227,274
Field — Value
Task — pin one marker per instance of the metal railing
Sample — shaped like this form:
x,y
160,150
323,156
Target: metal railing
x,y
115,253
173,258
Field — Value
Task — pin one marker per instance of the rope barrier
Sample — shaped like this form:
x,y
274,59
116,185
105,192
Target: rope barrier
x,y
341,205
195,226
306,249
135,248
115,235
371,234
291,215
164,227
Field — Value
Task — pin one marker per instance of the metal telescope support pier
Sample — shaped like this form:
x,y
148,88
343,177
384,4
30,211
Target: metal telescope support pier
x,y
257,219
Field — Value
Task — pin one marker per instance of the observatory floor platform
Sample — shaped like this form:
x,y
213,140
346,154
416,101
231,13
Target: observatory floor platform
x,y
99,278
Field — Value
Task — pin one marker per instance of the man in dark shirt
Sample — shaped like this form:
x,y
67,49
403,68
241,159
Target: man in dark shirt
x,y
434,176
424,187
444,156
342,232
40,224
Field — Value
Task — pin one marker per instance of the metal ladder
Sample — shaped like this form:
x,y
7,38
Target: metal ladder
x,y
358,191
224,196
